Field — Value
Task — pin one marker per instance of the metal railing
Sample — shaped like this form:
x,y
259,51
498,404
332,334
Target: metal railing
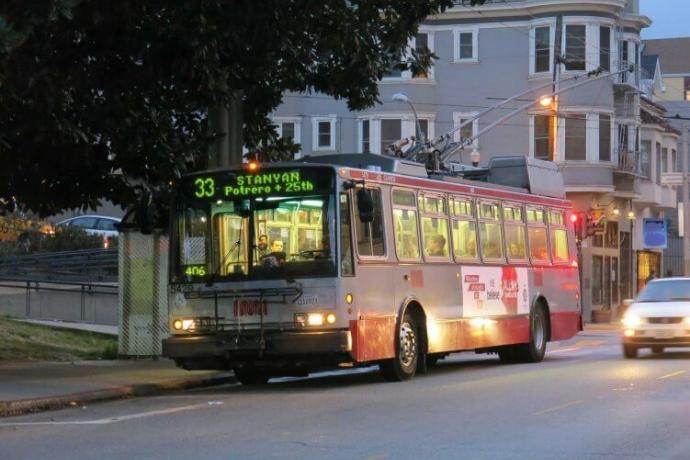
x,y
91,298
83,265
629,162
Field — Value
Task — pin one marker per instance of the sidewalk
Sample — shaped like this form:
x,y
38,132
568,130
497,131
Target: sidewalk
x,y
37,386
100,328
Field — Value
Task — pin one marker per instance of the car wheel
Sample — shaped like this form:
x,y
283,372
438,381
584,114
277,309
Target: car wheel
x,y
630,351
404,365
657,350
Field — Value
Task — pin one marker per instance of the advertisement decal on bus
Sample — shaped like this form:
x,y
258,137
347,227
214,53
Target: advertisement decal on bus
x,y
495,291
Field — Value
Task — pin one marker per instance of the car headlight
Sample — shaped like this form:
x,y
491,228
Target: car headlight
x,y
686,320
631,320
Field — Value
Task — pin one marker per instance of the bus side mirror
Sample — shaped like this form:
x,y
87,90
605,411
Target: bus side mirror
x,y
365,205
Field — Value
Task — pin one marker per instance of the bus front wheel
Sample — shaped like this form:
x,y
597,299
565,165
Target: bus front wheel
x,y
404,365
249,375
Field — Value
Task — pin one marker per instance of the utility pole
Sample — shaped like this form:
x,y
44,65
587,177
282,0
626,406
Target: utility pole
x,y
226,121
686,214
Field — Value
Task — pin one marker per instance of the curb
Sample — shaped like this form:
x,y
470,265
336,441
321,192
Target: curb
x,y
26,406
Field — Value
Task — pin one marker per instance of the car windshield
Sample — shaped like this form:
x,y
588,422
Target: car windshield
x,y
288,233
665,291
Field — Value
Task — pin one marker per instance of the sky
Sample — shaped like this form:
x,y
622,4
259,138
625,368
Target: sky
x,y
670,18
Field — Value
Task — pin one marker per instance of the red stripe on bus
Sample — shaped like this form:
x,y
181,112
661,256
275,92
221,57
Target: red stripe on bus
x,y
429,184
564,324
373,338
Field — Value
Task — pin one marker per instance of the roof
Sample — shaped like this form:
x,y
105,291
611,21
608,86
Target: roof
x,y
673,52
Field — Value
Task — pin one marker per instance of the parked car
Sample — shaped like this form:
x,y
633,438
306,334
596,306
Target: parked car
x,y
94,225
658,318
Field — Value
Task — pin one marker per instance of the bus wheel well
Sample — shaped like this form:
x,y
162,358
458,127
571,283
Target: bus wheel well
x,y
417,312
541,302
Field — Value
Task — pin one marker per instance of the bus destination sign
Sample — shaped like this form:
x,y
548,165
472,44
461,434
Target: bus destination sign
x,y
243,185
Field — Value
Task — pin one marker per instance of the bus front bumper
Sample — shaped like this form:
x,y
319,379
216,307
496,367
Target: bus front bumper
x,y
274,344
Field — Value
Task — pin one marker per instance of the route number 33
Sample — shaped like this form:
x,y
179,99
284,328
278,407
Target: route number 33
x,y
205,187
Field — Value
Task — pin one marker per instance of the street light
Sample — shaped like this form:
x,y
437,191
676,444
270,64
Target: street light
x,y
400,97
545,101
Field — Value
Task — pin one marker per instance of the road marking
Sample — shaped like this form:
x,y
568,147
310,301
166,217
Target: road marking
x,y
562,406
672,374
563,350
109,420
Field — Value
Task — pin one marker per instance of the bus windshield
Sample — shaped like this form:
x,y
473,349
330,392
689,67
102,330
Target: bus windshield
x,y
277,223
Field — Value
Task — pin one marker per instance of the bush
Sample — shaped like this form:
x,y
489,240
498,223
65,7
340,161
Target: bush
x,y
64,239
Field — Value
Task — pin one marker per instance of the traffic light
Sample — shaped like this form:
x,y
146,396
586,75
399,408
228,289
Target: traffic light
x,y
576,219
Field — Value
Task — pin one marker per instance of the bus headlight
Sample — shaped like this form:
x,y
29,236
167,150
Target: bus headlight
x,y
183,324
314,319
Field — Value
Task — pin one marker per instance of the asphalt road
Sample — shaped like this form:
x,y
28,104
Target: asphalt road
x,y
583,402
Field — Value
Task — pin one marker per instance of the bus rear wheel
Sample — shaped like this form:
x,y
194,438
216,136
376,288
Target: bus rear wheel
x,y
404,365
535,349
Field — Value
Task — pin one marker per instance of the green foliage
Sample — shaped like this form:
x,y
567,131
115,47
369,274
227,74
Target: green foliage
x,y
103,99
65,239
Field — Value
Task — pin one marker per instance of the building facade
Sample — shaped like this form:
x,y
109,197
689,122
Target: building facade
x,y
490,53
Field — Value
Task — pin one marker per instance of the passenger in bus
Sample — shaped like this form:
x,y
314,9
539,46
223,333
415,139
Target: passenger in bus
x,y
437,246
515,252
324,252
276,257
263,245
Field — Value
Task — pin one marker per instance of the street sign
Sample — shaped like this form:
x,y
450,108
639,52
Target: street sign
x,y
655,233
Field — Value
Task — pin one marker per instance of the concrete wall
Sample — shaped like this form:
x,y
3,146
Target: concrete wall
x,y
66,306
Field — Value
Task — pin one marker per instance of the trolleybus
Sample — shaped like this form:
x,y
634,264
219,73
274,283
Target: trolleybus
x,y
351,260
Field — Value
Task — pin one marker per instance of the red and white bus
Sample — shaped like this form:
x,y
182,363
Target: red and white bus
x,y
351,260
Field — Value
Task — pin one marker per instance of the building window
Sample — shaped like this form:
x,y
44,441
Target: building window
x,y
543,137
664,160
674,159
645,159
686,85
575,47
465,48
542,49
323,133
289,128
605,48
391,132
287,131
604,137
365,146
421,45
658,163
576,137
623,59
469,130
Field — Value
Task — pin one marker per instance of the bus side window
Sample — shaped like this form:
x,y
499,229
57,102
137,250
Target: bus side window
x,y
464,239
405,224
346,262
490,231
514,228
435,228
371,235
558,236
536,235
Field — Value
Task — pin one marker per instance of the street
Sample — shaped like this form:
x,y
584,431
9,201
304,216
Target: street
x,y
583,401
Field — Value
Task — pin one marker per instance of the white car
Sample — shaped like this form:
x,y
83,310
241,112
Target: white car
x,y
94,225
659,317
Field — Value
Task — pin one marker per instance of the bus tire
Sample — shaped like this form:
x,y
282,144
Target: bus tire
x,y
535,349
404,365
251,376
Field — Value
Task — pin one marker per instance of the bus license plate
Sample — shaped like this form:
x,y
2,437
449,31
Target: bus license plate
x,y
663,334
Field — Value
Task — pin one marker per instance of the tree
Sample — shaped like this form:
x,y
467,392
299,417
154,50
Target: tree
x,y
105,100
